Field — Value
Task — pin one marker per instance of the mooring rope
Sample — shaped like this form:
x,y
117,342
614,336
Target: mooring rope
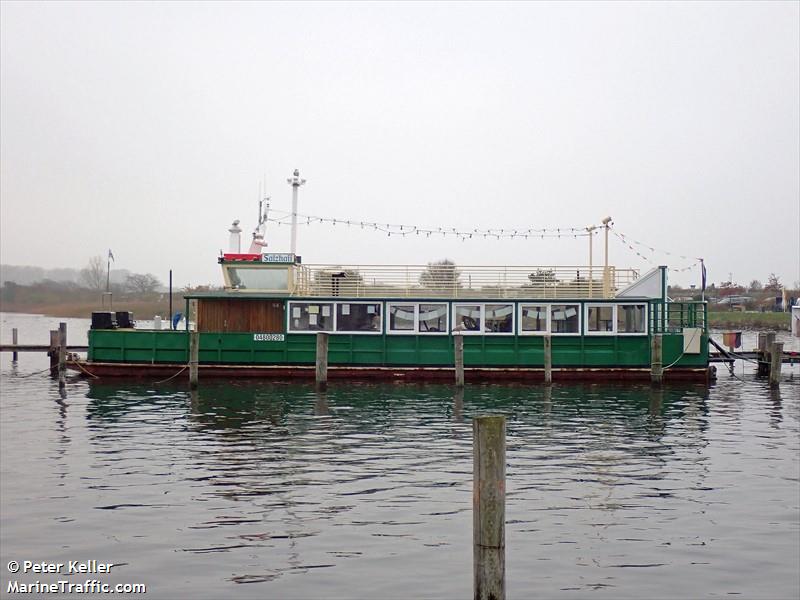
x,y
85,371
37,372
675,362
173,377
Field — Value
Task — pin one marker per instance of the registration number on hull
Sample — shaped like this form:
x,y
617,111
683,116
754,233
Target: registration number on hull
x,y
268,337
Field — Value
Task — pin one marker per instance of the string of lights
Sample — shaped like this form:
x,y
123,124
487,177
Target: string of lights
x,y
627,240
403,230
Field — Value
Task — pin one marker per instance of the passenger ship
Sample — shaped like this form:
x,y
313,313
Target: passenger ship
x,y
399,323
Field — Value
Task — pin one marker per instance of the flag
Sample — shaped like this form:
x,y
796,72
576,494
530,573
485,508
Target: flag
x,y
110,255
702,276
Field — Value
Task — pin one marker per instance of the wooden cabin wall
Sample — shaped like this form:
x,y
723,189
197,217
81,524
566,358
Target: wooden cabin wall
x,y
240,315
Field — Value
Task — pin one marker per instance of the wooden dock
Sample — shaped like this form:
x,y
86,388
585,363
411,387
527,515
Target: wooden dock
x,y
791,358
38,348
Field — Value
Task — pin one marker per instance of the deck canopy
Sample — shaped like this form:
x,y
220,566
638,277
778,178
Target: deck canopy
x,y
429,281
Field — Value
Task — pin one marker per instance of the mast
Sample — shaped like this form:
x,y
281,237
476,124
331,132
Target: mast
x,y
295,181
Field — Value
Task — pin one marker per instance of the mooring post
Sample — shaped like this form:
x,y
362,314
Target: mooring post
x,y
489,507
776,356
761,344
322,360
458,357
769,339
194,346
15,341
53,352
548,360
762,368
62,355
656,359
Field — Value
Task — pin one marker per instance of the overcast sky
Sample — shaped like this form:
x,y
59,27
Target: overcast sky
x,y
147,128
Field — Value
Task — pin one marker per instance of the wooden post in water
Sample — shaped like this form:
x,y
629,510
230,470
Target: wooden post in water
x,y
62,355
548,359
194,346
761,344
776,356
458,352
764,365
15,341
489,507
656,359
762,368
53,352
322,360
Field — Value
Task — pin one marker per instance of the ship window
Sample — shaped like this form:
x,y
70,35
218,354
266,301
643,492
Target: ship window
x,y
258,278
310,316
499,318
432,318
600,318
631,318
417,318
564,318
467,318
533,318
358,317
401,317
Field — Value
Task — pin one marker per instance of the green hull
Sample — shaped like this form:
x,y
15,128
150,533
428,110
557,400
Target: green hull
x,y
153,347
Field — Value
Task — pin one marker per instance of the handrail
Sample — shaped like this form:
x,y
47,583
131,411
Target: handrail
x,y
461,281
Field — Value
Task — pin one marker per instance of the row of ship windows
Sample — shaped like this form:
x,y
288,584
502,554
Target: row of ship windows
x,y
469,318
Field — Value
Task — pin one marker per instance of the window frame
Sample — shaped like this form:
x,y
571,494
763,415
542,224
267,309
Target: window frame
x,y
589,305
644,320
413,330
546,307
337,303
482,308
334,317
445,331
614,316
289,317
550,331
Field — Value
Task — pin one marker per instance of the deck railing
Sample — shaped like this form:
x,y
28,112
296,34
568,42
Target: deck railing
x,y
673,317
450,281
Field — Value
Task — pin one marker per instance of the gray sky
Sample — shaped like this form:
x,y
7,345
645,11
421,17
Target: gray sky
x,y
147,127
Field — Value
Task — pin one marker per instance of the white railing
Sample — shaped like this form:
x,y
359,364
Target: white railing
x,y
449,281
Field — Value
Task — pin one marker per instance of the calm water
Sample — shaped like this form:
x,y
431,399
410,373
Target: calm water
x,y
271,491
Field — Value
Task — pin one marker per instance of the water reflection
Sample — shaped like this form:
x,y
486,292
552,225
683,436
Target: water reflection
x,y
284,479
776,402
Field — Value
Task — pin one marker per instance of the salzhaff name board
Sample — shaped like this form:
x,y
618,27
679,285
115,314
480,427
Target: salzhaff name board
x,y
279,257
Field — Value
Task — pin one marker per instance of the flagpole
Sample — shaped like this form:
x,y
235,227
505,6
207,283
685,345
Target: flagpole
x,y
108,272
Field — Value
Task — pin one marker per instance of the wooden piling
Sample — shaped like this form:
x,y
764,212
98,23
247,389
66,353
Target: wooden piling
x,y
548,360
762,366
53,352
15,341
656,359
489,507
765,341
458,353
776,359
761,344
194,358
322,360
62,355
194,346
